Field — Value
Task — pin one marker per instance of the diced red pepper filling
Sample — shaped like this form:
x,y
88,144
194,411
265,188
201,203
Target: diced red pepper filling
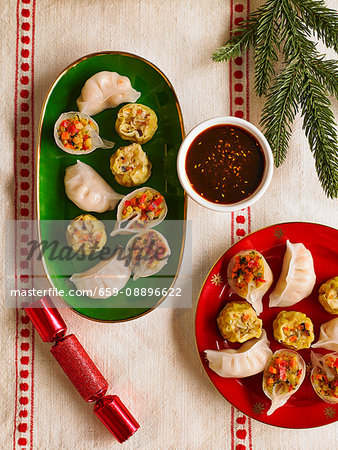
x,y
284,369
149,204
148,250
248,268
326,380
74,133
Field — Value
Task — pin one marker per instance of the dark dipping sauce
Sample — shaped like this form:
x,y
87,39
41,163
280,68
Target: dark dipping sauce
x,y
225,164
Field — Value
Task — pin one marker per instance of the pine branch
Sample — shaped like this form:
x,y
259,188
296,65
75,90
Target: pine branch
x,y
297,43
266,44
239,41
280,110
322,20
295,35
320,128
307,78
326,72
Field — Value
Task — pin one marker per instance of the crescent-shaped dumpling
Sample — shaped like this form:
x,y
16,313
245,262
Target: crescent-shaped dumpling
x,y
104,279
248,360
105,90
297,279
328,336
88,190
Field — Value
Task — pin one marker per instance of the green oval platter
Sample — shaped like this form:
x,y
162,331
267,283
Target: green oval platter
x,y
55,210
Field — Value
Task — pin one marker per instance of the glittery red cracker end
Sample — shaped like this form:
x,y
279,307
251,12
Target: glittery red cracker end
x,y
46,319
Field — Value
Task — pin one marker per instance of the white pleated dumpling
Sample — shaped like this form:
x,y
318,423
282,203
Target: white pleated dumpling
x,y
104,279
249,359
297,278
88,190
328,337
105,90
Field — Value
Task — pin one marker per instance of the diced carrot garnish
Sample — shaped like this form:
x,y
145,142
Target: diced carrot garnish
x,y
293,362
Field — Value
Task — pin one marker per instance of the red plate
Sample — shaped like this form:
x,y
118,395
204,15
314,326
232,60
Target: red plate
x,y
304,409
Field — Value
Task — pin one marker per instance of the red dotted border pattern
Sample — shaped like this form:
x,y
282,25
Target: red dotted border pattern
x,y
24,212
241,433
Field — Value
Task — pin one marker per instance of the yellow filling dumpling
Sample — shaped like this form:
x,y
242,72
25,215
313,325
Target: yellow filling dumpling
x,y
328,295
130,165
86,234
293,329
136,123
238,322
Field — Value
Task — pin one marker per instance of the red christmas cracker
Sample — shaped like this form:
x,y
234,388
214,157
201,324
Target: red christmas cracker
x,y
80,369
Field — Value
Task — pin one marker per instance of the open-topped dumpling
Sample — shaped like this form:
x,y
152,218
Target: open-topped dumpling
x,y
142,209
293,329
148,252
130,165
136,123
238,322
250,276
86,234
282,377
328,295
78,134
324,376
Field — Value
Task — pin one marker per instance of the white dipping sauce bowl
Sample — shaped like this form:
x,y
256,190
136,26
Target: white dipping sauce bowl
x,y
228,121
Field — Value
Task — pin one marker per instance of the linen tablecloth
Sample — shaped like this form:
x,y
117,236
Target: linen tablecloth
x,y
151,363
